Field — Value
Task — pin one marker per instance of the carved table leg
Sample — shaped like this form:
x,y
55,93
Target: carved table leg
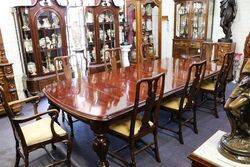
x,y
100,143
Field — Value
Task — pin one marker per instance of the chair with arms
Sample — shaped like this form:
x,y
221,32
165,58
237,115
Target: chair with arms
x,y
187,101
147,51
217,87
112,58
143,120
68,67
37,134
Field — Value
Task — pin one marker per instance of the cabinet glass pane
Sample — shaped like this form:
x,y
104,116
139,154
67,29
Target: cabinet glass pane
x,y
106,32
182,19
27,43
131,35
199,20
150,23
50,39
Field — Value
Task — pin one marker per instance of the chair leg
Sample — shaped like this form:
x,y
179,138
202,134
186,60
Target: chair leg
x,y
132,153
156,149
17,155
26,159
63,116
180,129
195,120
71,125
215,107
69,150
53,146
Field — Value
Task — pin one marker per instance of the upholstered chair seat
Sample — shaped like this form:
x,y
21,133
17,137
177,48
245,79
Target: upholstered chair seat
x,y
40,131
123,126
174,103
208,85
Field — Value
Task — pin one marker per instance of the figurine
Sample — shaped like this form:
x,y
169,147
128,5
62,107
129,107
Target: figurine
x,y
227,15
89,17
56,22
32,68
46,23
42,43
59,41
28,45
48,42
54,39
236,145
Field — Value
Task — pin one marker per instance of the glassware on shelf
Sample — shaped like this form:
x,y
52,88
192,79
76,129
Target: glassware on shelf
x,y
90,36
148,10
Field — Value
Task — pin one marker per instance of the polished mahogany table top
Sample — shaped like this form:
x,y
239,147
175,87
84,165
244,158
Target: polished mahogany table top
x,y
103,96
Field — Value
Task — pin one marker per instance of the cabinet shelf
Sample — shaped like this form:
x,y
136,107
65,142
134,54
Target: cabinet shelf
x,y
48,50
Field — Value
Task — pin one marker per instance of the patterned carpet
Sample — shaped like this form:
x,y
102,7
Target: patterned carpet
x,y
172,153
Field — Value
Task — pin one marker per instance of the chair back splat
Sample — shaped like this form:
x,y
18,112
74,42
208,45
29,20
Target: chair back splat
x,y
71,66
112,58
195,74
150,111
227,64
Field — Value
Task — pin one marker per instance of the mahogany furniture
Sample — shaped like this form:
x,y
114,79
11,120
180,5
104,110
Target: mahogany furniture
x,y
102,98
43,37
217,88
102,31
221,48
36,134
144,19
67,68
143,120
193,25
7,80
147,51
112,58
188,100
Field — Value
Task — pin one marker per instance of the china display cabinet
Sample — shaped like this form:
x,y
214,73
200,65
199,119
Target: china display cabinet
x,y
7,80
102,26
144,26
43,37
193,25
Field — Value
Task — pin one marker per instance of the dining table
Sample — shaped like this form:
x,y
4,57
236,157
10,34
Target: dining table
x,y
101,98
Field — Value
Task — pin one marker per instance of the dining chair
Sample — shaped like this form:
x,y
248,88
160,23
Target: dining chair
x,y
187,100
34,132
112,58
68,67
207,49
217,87
147,51
142,120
